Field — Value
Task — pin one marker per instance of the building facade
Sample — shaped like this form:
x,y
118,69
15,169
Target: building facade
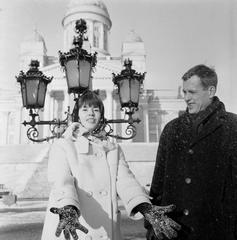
x,y
156,107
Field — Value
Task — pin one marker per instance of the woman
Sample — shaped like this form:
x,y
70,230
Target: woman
x,y
87,172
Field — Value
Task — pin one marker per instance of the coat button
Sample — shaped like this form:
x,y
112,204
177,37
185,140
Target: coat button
x,y
103,192
89,194
186,212
188,180
190,151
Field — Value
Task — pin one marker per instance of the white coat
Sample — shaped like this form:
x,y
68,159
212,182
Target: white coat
x,y
89,176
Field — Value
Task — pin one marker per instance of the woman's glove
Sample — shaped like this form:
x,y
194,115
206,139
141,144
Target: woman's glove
x,y
161,223
68,221
150,234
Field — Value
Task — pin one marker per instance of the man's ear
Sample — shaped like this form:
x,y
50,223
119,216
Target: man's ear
x,y
212,91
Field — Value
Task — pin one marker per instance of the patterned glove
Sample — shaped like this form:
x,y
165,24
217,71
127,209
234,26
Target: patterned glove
x,y
161,223
150,234
68,221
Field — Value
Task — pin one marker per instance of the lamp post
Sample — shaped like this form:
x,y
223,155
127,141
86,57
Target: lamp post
x,y
78,65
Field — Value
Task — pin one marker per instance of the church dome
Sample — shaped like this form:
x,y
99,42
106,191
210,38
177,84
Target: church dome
x,y
133,37
98,22
88,5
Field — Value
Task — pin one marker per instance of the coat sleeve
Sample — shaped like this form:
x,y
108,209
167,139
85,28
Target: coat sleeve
x,y
159,170
129,189
63,190
232,152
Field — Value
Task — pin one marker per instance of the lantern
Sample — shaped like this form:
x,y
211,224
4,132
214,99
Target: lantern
x,y
33,86
78,63
129,84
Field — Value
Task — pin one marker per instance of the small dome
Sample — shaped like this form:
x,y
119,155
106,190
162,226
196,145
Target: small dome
x,y
34,37
88,3
133,37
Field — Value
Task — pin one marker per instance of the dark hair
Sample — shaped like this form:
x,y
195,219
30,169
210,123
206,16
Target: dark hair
x,y
90,98
207,75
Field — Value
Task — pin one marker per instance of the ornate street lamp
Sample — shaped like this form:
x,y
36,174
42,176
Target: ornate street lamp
x,y
78,65
33,86
33,90
128,83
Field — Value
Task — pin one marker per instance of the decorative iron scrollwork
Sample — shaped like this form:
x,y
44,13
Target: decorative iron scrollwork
x,y
57,127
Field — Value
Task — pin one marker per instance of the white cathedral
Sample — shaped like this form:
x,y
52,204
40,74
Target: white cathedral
x,y
156,107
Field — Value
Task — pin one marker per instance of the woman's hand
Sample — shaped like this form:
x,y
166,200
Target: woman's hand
x,y
74,131
68,221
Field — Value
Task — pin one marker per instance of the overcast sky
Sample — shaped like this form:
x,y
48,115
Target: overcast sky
x,y
177,33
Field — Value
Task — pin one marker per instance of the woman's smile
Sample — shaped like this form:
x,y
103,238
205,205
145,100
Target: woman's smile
x,y
89,117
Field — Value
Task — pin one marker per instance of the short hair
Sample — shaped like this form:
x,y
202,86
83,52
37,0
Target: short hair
x,y
207,75
90,98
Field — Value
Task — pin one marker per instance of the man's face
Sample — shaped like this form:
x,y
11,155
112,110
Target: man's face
x,y
196,97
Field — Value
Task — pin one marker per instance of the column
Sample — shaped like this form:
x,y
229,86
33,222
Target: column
x,y
108,104
17,126
46,115
146,122
101,38
24,117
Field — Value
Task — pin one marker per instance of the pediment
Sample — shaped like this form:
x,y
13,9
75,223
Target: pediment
x,y
105,68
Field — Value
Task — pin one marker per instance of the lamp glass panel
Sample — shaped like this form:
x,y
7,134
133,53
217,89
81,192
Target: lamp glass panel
x,y
23,93
72,74
135,89
41,94
32,92
124,91
85,73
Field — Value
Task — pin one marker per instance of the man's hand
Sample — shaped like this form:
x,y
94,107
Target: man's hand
x,y
161,223
68,221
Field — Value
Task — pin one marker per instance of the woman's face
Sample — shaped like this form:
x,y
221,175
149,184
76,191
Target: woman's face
x,y
89,117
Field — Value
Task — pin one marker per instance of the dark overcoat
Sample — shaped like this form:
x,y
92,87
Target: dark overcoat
x,y
196,169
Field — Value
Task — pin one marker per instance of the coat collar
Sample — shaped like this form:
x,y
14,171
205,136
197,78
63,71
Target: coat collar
x,y
207,121
82,144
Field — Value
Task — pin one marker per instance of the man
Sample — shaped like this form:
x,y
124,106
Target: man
x,y
196,165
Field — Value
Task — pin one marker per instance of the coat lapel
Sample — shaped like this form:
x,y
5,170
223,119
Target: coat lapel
x,y
209,124
206,130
